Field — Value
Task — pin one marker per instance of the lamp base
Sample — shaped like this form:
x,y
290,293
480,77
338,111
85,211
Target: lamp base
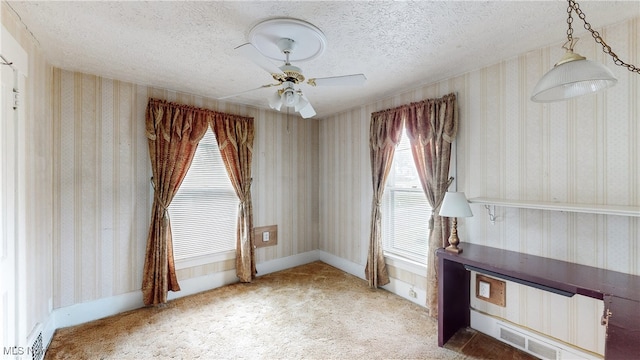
x,y
453,249
453,239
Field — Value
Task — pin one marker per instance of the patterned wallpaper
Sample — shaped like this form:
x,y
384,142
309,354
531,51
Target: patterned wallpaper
x,y
102,192
312,178
580,151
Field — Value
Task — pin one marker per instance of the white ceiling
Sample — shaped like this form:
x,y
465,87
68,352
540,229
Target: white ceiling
x,y
188,46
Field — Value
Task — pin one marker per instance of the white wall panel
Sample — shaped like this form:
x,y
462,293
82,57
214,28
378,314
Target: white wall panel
x,y
35,99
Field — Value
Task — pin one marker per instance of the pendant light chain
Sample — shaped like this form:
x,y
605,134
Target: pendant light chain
x,y
574,6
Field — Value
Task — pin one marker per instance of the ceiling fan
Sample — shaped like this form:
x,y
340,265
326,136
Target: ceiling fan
x,y
288,35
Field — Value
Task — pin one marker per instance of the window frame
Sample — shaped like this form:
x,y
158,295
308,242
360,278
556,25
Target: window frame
x,y
392,254
213,257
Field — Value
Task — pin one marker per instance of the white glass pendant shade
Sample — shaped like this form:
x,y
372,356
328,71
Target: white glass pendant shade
x,y
289,98
572,77
275,101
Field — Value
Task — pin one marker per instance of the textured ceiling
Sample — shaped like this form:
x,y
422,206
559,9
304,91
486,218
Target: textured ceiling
x,y
189,46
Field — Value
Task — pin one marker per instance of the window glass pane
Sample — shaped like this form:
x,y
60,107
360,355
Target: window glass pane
x,y
204,210
406,210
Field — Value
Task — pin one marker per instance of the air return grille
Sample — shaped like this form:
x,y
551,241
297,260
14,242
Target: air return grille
x,y
36,348
512,337
526,343
534,343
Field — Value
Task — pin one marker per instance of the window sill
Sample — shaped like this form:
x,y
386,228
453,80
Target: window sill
x,y
204,259
405,264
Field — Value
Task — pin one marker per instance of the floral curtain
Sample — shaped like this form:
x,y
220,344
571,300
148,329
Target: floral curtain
x,y
431,126
173,132
235,139
384,135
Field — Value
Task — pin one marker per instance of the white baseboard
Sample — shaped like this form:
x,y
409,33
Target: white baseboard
x,y
407,291
268,267
342,264
203,283
48,330
396,286
97,309
537,344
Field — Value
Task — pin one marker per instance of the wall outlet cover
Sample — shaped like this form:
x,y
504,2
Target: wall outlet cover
x,y
494,288
265,236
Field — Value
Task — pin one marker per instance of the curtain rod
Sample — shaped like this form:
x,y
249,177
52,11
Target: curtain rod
x,y
454,94
193,108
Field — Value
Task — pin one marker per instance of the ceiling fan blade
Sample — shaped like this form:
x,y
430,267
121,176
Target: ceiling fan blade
x,y
345,80
246,91
250,52
307,111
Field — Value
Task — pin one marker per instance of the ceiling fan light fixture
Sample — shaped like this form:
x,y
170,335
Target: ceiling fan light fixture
x,y
290,97
276,39
275,101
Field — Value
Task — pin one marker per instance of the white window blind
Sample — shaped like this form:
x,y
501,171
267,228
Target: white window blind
x,y
204,210
405,209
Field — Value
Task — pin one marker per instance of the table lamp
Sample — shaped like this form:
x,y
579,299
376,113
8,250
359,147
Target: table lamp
x,y
455,205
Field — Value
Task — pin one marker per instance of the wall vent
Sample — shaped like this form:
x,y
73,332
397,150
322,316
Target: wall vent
x,y
537,344
541,349
34,341
513,338
527,344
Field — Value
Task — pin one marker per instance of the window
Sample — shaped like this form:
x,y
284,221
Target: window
x,y
204,210
405,209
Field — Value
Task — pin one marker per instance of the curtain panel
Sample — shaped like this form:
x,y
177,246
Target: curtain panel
x,y
432,126
173,132
235,139
384,135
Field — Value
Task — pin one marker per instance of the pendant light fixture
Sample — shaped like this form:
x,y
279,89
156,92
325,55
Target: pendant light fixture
x,y
574,75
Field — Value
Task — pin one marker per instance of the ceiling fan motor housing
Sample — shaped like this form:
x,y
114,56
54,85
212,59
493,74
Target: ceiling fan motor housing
x,y
289,73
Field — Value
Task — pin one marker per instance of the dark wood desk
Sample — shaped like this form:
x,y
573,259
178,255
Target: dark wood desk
x,y
619,291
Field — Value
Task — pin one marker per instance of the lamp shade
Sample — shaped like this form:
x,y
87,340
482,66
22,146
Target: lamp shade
x,y
455,204
572,78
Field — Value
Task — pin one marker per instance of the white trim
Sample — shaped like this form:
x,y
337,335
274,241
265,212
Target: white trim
x,y
48,329
14,53
97,309
395,286
406,264
204,259
342,264
405,290
204,283
288,262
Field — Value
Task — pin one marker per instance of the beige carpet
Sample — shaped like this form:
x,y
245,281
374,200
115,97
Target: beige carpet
x,y
313,311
